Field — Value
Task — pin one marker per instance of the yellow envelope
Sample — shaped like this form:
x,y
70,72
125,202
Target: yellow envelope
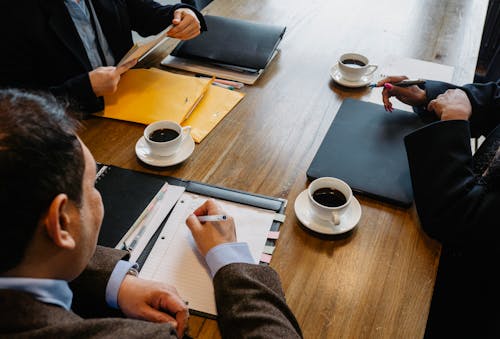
x,y
148,95
215,105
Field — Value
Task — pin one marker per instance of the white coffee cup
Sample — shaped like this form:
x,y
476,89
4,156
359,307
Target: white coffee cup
x,y
168,147
354,66
323,211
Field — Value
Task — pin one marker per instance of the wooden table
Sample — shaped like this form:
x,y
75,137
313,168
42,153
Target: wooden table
x,y
378,281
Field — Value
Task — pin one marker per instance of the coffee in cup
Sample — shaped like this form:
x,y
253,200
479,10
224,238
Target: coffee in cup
x,y
329,198
354,66
165,137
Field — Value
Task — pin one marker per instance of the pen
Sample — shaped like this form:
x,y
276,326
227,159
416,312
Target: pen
x,y
404,83
409,82
223,86
215,217
235,84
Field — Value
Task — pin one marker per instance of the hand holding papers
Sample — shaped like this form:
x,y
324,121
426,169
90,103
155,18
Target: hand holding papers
x,y
140,50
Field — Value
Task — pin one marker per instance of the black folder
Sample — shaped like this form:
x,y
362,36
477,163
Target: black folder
x,y
364,147
233,42
126,193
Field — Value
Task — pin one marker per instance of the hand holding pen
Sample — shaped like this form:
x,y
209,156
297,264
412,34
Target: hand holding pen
x,y
403,89
210,226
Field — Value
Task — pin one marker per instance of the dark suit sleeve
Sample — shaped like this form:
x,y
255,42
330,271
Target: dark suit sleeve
x,y
25,64
484,98
89,289
148,17
251,303
455,205
78,92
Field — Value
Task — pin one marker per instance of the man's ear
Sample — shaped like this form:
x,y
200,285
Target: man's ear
x,y
57,220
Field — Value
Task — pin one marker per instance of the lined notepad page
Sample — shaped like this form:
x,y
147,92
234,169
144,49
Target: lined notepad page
x,y
175,260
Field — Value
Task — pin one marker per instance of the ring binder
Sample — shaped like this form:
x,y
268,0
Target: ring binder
x,y
126,194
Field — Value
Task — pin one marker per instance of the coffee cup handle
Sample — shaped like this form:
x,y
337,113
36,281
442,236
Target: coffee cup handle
x,y
185,132
335,218
371,68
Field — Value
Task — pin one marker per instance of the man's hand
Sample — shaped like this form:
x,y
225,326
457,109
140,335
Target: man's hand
x,y
412,95
452,105
186,25
153,301
104,80
211,233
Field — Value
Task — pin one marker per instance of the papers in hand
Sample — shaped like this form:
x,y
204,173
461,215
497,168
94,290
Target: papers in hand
x,y
141,49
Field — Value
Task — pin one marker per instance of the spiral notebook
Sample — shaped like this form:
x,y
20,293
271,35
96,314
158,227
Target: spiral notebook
x,y
167,252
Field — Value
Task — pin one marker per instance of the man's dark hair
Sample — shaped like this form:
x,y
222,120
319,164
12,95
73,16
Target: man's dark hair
x,y
40,157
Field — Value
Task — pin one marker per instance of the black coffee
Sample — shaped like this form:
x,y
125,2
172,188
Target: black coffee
x,y
353,63
329,197
162,135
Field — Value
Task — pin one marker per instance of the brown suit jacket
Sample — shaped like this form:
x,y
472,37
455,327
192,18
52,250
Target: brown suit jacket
x,y
250,302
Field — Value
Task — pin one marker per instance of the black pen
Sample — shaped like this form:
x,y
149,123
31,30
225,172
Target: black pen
x,y
404,83
409,82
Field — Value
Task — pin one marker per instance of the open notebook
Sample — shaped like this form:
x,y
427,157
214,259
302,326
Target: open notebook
x,y
146,214
175,259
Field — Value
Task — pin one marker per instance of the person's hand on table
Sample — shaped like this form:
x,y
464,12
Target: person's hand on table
x,y
153,301
104,80
210,233
185,25
412,95
451,105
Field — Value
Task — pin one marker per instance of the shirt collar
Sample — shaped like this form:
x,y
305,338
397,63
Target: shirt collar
x,y
48,291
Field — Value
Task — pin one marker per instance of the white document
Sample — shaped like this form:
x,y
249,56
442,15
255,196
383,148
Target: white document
x,y
140,50
413,69
175,260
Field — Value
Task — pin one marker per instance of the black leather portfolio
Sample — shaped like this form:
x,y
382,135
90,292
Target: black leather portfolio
x,y
233,42
364,147
126,194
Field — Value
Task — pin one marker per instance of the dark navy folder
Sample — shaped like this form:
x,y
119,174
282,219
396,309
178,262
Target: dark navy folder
x,y
233,42
364,147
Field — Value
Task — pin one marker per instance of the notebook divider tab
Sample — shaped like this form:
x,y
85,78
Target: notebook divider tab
x,y
162,204
103,169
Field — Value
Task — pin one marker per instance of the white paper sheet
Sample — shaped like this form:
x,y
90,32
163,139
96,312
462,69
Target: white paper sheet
x,y
175,259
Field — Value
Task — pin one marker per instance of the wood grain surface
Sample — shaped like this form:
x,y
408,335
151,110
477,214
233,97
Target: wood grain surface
x,y
377,281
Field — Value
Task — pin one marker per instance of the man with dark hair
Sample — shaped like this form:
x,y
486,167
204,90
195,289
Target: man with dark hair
x,y
52,214
72,47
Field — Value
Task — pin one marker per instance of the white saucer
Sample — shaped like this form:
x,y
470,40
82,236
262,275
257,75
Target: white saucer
x,y
143,153
347,222
337,77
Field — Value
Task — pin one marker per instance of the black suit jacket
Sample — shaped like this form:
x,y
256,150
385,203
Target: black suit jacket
x,y
458,206
42,50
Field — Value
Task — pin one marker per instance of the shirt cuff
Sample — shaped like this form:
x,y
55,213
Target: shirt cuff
x,y
115,281
228,253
